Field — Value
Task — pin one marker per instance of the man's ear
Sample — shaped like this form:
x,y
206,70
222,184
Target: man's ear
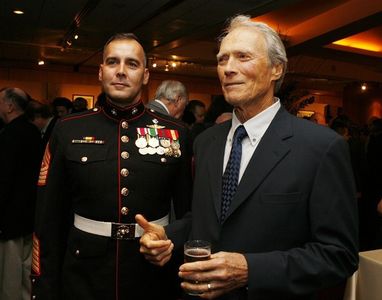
x,y
277,71
177,100
100,72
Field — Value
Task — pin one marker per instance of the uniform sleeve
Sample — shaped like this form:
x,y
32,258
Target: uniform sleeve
x,y
332,253
51,223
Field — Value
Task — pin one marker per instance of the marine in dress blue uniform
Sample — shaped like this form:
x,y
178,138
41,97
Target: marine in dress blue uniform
x,y
100,169
94,168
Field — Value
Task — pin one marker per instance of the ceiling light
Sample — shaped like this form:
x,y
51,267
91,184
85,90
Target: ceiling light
x,y
173,64
364,87
41,62
358,44
76,37
18,12
154,65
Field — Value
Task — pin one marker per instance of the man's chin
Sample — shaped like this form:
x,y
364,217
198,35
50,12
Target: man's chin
x,y
121,100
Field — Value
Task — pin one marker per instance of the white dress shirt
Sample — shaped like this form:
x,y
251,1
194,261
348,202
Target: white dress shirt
x,y
255,128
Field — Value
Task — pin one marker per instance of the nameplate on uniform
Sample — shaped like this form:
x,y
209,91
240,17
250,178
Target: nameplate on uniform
x,y
88,140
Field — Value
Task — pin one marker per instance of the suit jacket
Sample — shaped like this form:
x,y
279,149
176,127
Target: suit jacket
x,y
293,215
20,158
48,131
154,105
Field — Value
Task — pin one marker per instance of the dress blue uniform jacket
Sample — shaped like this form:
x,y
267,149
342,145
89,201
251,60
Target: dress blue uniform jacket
x,y
294,215
82,173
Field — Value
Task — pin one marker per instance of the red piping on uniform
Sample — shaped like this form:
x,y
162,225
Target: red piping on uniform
x,y
66,118
119,216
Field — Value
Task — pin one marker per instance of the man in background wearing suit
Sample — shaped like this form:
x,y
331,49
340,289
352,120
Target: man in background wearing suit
x,y
289,229
41,115
20,158
171,99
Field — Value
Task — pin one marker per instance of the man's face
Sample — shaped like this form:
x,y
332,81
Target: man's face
x,y
244,68
199,114
123,72
180,107
62,111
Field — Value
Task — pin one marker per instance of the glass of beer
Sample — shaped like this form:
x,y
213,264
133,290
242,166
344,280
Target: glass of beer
x,y
195,250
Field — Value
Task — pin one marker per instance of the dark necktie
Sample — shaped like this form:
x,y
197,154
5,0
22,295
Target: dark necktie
x,y
231,173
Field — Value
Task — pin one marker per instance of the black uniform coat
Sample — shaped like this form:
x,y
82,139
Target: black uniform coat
x,y
20,158
86,178
294,213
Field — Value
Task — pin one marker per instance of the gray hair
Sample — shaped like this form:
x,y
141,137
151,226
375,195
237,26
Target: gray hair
x,y
16,96
170,90
276,50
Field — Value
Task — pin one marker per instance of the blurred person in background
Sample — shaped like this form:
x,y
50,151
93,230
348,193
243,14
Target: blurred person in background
x,y
171,98
62,106
20,159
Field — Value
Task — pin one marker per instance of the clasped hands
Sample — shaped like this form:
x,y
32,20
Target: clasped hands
x,y
223,272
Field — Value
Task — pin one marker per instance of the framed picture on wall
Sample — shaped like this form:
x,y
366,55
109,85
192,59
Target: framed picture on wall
x,y
305,113
88,98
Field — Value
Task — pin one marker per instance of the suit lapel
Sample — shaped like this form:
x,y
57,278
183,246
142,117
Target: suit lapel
x,y
271,149
215,165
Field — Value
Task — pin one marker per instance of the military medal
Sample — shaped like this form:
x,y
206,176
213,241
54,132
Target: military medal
x,y
160,150
141,141
175,145
165,142
153,142
143,151
177,153
153,139
151,150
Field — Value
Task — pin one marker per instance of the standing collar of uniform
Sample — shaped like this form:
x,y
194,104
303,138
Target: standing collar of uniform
x,y
127,113
257,125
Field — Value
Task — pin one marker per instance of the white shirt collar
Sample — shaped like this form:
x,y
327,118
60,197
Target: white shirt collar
x,y
257,125
164,106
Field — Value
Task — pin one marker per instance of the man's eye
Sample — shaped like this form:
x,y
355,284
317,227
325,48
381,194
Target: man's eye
x,y
111,62
133,64
222,59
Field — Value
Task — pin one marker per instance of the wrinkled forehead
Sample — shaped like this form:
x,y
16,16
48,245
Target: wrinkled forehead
x,y
243,38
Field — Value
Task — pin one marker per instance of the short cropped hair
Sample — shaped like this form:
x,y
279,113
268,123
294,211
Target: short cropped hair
x,y
276,50
125,36
62,101
170,90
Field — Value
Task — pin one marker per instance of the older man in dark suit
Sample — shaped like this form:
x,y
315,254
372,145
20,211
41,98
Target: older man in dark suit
x,y
171,98
274,194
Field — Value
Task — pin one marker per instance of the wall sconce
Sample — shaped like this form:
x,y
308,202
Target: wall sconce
x,y
41,62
